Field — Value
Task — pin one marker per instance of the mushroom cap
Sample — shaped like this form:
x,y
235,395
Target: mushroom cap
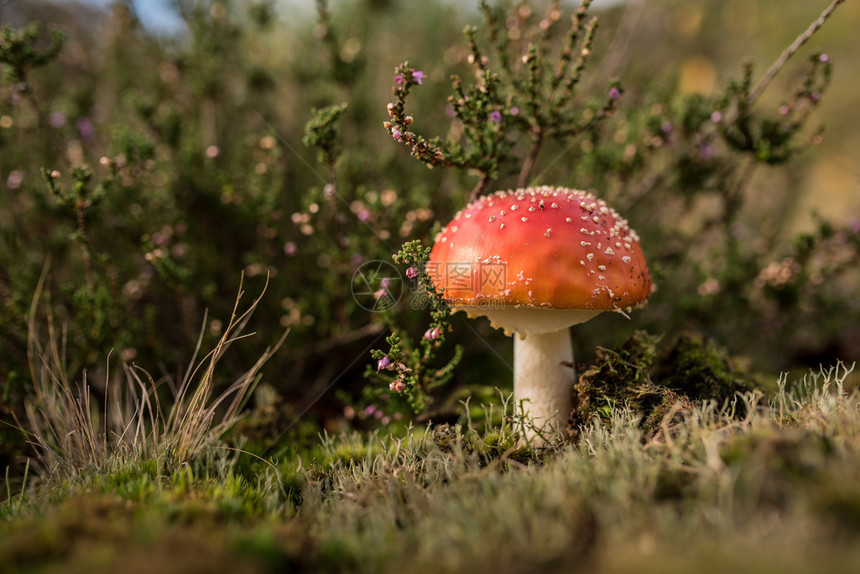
x,y
514,255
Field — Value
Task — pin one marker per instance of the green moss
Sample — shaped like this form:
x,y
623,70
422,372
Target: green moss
x,y
615,378
445,437
774,467
668,411
655,383
699,369
839,506
790,453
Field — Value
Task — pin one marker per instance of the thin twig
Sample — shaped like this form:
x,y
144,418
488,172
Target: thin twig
x,y
789,52
531,159
479,187
619,50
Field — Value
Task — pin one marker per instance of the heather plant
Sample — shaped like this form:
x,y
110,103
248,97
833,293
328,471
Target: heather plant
x,y
415,374
531,94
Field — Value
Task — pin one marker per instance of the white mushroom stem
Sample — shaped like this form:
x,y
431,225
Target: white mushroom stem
x,y
542,380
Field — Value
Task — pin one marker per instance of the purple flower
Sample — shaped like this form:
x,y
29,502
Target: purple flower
x,y
396,134
823,58
666,127
412,273
514,110
384,363
614,93
370,409
717,117
398,79
418,76
86,128
496,117
385,282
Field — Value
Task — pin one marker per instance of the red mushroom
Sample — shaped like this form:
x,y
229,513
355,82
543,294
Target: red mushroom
x,y
536,261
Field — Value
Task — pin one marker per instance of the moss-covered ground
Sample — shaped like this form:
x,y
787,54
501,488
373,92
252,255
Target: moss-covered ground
x,y
765,482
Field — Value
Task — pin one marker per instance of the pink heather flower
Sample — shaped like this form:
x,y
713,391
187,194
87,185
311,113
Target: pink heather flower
x,y
418,75
398,79
614,93
370,409
514,110
290,249
57,119
496,116
433,334
86,128
15,179
412,273
397,386
666,127
385,282
396,134
384,363
823,58
717,117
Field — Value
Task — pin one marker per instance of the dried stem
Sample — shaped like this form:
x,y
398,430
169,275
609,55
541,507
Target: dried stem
x,y
529,162
789,52
479,188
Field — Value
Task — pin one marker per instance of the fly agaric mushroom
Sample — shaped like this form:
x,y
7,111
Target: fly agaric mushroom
x,y
536,261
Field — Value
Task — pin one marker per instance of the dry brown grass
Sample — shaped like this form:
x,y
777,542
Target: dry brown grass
x,y
71,433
